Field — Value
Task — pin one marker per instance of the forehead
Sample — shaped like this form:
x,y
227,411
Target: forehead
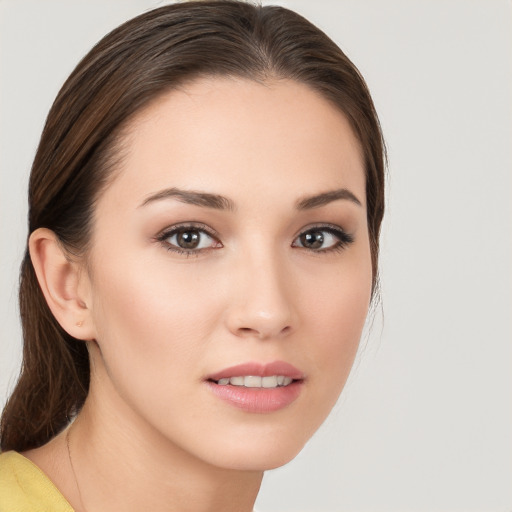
x,y
240,138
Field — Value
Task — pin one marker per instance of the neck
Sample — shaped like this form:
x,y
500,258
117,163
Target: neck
x,y
149,472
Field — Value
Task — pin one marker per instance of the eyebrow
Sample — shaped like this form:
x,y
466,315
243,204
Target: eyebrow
x,y
203,199
316,201
219,202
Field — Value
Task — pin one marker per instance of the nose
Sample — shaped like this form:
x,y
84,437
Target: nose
x,y
262,302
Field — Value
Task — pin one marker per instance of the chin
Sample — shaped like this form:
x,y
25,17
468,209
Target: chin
x,y
261,449
259,459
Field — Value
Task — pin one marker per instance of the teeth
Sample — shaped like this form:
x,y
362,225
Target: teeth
x,y
269,382
253,381
236,381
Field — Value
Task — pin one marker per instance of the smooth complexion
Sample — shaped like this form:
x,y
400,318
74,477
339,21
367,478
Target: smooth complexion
x,y
234,233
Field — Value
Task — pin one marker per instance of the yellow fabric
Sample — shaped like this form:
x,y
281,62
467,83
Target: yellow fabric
x,y
25,488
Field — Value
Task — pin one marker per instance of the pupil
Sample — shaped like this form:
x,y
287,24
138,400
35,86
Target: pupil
x,y
188,239
313,239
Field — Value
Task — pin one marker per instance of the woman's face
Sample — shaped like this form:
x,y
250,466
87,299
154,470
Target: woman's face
x,y
230,251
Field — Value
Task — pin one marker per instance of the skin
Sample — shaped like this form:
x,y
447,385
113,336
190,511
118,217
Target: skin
x,y
158,322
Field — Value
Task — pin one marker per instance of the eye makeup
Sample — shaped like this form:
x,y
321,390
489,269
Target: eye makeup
x,y
194,238
322,238
189,238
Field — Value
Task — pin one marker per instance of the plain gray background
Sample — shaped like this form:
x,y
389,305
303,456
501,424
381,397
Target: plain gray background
x,y
425,423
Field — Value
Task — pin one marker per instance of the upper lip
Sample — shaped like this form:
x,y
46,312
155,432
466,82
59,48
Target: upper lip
x,y
260,370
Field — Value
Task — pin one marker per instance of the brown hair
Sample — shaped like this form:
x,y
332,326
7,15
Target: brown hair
x,y
132,65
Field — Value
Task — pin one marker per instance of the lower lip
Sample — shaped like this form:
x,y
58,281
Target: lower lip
x,y
258,400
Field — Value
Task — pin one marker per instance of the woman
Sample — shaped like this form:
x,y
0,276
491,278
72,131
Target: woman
x,y
205,207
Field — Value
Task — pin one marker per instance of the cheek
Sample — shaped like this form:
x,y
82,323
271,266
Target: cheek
x,y
337,317
151,319
154,324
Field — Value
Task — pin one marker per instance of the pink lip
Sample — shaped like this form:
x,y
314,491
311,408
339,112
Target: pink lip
x,y
258,400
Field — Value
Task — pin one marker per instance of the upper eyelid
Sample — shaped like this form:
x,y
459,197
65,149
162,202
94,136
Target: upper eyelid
x,y
166,232
170,230
320,226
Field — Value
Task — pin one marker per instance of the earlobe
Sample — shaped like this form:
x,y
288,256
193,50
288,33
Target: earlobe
x,y
60,281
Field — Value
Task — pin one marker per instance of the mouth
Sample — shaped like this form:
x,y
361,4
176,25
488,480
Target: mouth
x,y
255,381
258,388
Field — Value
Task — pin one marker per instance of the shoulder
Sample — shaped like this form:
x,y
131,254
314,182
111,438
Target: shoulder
x,y
24,487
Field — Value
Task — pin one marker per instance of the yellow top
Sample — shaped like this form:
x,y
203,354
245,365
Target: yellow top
x,y
25,488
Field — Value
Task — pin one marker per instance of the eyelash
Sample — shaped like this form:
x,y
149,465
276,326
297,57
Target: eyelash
x,y
344,239
183,228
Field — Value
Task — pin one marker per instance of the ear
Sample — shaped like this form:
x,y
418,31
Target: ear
x,y
64,284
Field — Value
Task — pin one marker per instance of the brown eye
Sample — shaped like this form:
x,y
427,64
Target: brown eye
x,y
188,239
312,239
323,239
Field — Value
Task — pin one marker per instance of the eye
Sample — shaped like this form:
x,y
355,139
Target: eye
x,y
189,239
323,239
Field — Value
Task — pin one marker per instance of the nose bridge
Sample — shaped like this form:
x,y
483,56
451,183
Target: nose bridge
x,y
262,304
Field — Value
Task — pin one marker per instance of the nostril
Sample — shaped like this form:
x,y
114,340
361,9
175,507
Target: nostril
x,y
247,331
263,333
